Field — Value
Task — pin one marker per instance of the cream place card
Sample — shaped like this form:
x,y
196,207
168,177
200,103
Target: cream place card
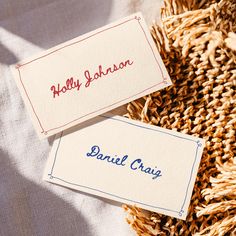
x,y
127,161
90,75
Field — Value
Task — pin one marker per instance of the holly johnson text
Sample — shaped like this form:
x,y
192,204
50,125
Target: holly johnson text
x,y
76,84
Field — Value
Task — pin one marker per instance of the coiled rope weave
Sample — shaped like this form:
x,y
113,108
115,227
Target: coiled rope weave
x,y
198,46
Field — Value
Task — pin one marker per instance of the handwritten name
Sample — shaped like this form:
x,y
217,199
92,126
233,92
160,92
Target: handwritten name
x,y
75,84
70,84
135,165
105,72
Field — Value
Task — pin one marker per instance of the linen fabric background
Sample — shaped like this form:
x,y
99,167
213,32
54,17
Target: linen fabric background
x,y
28,205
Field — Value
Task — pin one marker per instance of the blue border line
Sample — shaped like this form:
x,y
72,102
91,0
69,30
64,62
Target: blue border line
x,y
53,177
140,126
180,213
196,154
56,153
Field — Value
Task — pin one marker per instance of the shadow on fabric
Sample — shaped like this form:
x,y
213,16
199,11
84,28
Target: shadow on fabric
x,y
47,23
28,209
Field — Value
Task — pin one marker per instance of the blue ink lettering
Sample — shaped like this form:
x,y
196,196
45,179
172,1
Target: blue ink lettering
x,y
138,165
134,162
95,152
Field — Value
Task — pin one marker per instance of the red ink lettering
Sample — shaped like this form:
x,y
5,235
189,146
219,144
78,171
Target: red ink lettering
x,y
70,84
88,77
96,76
101,72
75,84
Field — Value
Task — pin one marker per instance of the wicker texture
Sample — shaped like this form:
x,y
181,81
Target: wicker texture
x,y
197,44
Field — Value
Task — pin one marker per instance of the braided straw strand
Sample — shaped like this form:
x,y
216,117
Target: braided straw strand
x,y
197,42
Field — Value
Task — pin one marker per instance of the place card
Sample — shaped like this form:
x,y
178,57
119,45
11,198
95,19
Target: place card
x,y
127,161
90,75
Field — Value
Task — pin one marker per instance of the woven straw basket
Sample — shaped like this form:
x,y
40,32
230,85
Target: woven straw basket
x,y
197,43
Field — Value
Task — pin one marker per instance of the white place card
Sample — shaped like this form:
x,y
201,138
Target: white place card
x,y
127,161
90,75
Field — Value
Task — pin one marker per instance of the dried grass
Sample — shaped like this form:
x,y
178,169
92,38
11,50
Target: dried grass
x,y
197,43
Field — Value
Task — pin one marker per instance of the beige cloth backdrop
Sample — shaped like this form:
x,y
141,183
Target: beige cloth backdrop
x,y
29,206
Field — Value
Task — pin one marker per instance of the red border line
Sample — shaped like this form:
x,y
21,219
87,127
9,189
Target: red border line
x,y
138,18
104,107
20,65
30,101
